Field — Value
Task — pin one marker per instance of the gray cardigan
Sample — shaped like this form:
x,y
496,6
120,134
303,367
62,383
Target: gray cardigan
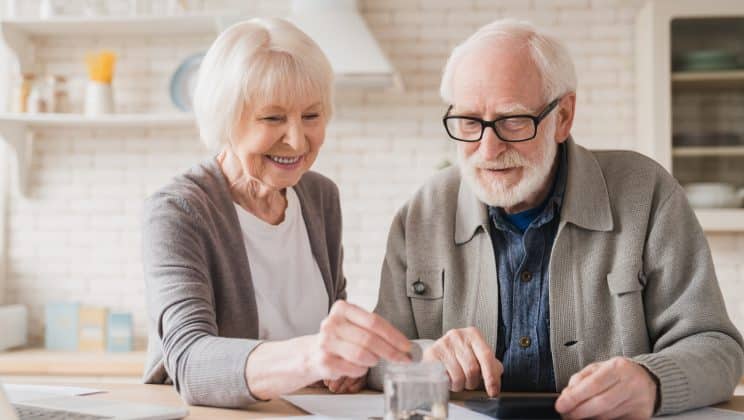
x,y
202,314
630,275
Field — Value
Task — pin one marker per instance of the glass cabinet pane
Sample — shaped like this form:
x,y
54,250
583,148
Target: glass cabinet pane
x,y
708,110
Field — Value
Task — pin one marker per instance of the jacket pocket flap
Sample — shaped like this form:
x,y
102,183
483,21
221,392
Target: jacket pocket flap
x,y
425,284
624,281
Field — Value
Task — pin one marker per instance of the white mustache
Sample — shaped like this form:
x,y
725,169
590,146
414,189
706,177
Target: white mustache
x,y
508,159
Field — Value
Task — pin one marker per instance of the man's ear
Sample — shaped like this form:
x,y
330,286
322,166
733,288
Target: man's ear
x,y
565,116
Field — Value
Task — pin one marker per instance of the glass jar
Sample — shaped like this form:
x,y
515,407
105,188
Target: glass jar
x,y
416,391
58,100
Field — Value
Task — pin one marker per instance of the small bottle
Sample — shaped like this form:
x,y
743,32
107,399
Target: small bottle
x,y
58,99
23,90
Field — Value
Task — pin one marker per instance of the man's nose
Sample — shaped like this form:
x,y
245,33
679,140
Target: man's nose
x,y
491,146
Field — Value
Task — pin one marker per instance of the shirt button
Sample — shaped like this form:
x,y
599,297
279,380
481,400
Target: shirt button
x,y
524,342
419,288
526,276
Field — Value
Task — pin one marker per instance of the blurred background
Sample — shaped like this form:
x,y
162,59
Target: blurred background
x,y
95,118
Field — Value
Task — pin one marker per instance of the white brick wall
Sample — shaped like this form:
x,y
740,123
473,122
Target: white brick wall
x,y
77,235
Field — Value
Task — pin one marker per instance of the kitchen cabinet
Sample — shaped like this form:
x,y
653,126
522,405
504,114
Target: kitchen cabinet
x,y
20,35
690,101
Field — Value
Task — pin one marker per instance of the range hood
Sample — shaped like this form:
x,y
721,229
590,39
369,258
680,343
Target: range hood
x,y
340,31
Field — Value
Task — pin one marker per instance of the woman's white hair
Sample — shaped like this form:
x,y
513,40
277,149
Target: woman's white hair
x,y
253,63
550,55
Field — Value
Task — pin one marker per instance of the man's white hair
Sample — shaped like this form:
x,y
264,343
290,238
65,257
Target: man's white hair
x,y
258,62
550,55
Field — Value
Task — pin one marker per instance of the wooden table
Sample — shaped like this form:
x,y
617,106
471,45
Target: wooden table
x,y
166,395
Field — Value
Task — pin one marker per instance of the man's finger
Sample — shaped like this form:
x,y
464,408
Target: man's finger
x,y
491,369
587,387
451,365
469,365
374,324
608,404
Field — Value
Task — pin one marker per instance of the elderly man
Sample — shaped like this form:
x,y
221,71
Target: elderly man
x,y
539,265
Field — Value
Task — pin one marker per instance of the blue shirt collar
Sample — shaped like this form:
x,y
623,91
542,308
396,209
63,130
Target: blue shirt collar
x,y
540,215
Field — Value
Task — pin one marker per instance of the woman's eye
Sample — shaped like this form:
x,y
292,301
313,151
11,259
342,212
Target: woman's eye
x,y
273,118
311,116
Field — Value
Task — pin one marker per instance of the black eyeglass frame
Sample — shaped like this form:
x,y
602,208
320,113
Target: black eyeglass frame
x,y
536,119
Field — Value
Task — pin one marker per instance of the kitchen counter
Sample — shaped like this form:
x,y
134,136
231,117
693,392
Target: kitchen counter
x,y
41,362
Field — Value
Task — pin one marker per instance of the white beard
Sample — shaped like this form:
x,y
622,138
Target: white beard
x,y
497,193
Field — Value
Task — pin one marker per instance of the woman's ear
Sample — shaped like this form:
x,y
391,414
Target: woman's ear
x,y
565,116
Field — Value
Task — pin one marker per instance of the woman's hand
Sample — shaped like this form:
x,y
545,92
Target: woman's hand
x,y
351,340
346,385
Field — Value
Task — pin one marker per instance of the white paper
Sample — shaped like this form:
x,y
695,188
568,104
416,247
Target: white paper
x,y
706,413
361,406
22,392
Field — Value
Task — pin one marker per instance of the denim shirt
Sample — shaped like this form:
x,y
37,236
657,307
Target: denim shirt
x,y
522,259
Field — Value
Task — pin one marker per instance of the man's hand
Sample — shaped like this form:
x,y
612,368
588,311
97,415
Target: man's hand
x,y
468,359
617,388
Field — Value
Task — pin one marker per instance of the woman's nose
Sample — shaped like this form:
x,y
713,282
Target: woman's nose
x,y
295,135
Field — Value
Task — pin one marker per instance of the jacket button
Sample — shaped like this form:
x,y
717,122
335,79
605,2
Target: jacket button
x,y
526,276
419,288
524,342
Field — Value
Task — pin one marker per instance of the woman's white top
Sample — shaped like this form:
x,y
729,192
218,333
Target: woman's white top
x,y
291,296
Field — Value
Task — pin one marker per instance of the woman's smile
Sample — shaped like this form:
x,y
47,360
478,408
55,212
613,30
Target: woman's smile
x,y
286,162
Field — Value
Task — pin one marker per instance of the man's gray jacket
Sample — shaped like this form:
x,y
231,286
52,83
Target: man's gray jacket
x,y
630,275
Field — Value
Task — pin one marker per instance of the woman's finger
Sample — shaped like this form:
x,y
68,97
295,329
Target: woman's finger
x,y
335,367
350,352
374,324
369,341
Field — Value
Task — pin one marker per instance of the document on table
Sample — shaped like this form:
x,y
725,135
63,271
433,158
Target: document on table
x,y
365,406
706,414
361,406
22,392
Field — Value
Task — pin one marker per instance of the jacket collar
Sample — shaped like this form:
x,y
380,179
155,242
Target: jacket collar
x,y
586,202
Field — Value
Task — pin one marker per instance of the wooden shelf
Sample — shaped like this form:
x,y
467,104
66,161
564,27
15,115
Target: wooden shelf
x,y
41,362
18,131
721,220
720,78
112,120
690,151
116,25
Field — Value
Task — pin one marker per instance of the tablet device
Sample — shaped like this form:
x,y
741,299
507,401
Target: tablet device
x,y
516,407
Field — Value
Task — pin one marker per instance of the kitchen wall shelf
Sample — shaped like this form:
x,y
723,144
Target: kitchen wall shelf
x,y
708,151
657,41
18,130
103,121
21,35
721,220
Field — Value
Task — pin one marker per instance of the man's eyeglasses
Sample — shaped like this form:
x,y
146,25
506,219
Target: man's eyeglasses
x,y
511,128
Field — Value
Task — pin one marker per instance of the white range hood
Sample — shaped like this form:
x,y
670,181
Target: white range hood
x,y
342,34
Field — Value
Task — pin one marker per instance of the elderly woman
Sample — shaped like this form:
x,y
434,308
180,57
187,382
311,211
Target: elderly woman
x,y
242,253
